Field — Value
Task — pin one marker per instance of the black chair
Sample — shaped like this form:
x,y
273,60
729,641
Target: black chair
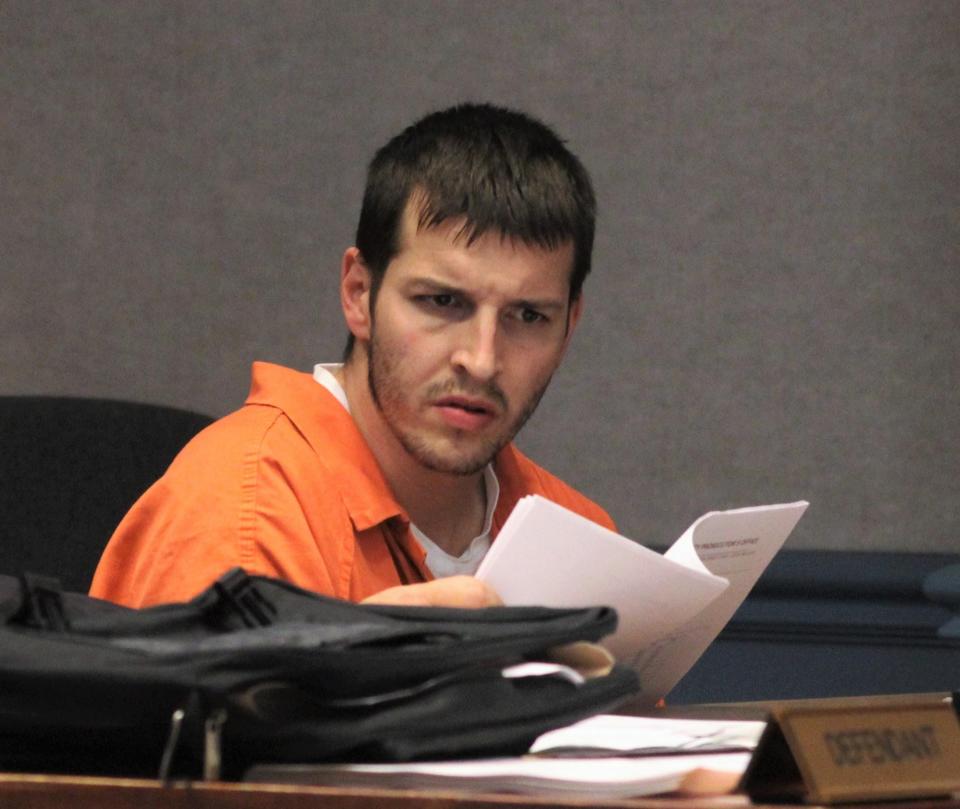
x,y
69,470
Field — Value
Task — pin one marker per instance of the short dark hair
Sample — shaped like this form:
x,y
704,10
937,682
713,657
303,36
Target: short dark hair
x,y
499,169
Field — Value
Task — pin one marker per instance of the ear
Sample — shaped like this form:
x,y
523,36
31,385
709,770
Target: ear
x,y
355,281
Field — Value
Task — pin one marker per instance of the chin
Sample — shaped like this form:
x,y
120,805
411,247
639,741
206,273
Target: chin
x,y
452,462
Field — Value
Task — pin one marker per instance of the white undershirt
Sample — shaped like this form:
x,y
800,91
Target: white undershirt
x,y
438,560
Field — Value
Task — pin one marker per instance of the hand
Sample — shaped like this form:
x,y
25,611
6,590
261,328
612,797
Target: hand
x,y
450,591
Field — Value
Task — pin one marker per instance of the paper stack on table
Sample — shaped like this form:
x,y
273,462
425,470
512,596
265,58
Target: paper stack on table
x,y
620,757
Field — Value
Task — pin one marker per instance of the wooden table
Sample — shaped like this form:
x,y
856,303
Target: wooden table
x,y
74,792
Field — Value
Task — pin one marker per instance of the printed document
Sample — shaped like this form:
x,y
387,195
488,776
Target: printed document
x,y
671,606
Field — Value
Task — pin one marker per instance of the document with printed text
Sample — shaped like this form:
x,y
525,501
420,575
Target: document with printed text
x,y
671,605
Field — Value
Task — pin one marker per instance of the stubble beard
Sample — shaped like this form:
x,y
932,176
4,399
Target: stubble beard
x,y
388,394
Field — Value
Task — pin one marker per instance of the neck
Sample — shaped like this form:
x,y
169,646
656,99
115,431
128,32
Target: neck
x,y
450,509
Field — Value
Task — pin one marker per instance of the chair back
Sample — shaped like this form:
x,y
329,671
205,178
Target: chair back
x,y
69,470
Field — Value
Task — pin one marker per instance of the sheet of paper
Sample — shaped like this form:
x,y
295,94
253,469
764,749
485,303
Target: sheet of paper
x,y
671,606
737,545
638,735
547,555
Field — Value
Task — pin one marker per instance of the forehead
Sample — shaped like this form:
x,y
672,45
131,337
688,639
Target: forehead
x,y
446,251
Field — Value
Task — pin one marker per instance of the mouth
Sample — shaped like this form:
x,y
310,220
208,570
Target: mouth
x,y
465,413
468,404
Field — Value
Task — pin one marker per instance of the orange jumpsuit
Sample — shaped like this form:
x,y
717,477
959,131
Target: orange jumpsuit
x,y
286,486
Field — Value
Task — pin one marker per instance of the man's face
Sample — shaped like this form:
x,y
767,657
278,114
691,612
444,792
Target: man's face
x,y
464,340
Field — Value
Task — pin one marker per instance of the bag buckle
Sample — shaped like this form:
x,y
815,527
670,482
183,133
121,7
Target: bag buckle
x,y
180,740
237,590
42,603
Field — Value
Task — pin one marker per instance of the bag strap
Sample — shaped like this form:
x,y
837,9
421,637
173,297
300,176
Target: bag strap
x,y
41,604
238,593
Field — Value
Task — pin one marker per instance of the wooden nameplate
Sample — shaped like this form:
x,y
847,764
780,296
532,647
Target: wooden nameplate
x,y
870,748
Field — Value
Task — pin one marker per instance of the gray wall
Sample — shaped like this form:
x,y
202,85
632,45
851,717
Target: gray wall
x,y
775,306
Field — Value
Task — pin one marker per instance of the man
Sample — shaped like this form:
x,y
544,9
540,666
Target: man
x,y
387,477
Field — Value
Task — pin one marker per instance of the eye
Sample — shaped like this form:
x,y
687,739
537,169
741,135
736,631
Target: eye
x,y
439,300
443,300
444,306
528,315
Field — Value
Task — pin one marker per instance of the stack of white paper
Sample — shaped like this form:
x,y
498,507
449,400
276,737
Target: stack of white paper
x,y
586,778
660,760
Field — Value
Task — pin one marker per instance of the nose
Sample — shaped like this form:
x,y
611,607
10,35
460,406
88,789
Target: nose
x,y
476,353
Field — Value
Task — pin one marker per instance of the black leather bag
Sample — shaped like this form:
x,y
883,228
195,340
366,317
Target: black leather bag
x,y
257,670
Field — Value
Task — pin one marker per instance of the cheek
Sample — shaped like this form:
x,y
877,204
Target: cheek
x,y
409,349
531,369
417,354
412,341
